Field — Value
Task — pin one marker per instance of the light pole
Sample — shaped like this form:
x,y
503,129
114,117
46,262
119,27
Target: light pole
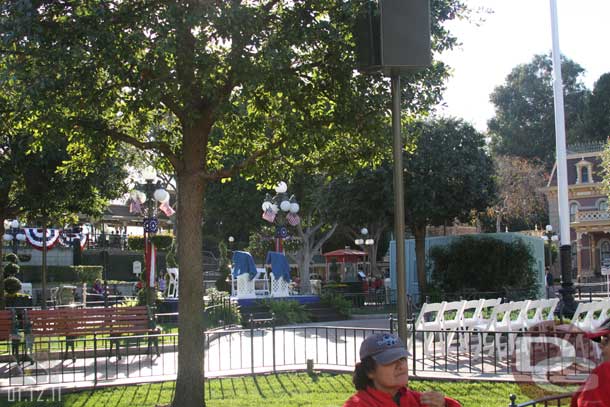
x,y
282,211
147,193
365,242
549,236
13,233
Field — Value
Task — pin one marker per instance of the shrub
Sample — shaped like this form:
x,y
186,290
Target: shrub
x,y
161,242
484,264
11,269
88,274
287,312
12,285
223,268
11,258
338,302
135,243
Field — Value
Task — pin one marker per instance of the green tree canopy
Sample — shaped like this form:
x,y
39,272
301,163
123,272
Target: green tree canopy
x,y
524,122
448,175
598,110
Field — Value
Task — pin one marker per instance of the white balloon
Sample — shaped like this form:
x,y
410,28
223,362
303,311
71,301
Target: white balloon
x,y
21,237
141,197
133,194
266,205
7,237
281,187
285,206
161,195
294,207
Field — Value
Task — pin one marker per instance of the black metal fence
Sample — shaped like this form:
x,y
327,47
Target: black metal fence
x,y
271,349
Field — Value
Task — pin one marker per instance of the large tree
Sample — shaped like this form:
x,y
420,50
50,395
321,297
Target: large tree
x,y
269,82
598,110
364,199
519,198
448,175
44,179
524,122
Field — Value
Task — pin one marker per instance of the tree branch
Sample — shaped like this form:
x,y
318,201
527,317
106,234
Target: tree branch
x,y
118,135
229,172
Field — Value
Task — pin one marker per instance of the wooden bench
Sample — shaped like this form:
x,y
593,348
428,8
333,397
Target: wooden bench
x,y
72,323
9,330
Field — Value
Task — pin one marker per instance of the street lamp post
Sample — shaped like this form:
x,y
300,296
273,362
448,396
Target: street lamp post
x,y
147,193
13,234
549,236
365,242
281,210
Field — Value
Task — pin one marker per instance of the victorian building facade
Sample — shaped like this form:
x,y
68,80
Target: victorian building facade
x,y
588,208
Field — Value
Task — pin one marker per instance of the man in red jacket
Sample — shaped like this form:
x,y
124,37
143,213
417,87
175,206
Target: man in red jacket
x,y
382,375
596,390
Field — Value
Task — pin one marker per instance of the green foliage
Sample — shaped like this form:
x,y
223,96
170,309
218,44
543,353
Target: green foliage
x,y
287,312
170,259
219,310
88,274
11,269
223,268
598,110
524,124
162,242
135,243
12,285
483,264
11,258
339,303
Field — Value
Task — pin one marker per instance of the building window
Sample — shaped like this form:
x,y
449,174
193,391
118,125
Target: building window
x,y
604,254
573,211
603,205
584,175
584,172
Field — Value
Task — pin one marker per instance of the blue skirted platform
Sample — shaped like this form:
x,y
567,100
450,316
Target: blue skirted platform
x,y
302,299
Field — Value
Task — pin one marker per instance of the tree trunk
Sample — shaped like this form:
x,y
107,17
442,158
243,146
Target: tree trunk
x,y
499,223
190,379
2,299
310,246
420,256
44,265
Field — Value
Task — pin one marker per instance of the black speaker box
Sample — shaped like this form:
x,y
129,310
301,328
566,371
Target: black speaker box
x,y
393,36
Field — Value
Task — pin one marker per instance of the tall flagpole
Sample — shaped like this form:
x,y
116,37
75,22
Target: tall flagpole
x,y
567,306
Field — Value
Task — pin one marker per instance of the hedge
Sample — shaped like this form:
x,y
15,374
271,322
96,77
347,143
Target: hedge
x,y
483,264
65,274
161,242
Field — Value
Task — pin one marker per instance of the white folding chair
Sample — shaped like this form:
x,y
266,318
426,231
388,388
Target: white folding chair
x,y
172,285
429,320
499,324
450,320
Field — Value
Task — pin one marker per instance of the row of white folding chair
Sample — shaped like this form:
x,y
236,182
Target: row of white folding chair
x,y
453,317
501,322
537,312
590,315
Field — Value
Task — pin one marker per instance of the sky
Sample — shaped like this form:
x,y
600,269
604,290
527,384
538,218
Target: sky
x,y
512,34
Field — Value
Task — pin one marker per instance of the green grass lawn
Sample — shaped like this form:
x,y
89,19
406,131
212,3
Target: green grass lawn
x,y
291,389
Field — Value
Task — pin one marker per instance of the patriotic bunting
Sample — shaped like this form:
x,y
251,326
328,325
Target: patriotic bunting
x,y
35,237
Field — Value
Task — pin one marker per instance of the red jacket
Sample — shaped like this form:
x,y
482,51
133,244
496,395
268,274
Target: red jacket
x,y
596,390
374,398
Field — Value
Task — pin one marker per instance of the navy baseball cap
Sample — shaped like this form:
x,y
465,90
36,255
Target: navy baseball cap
x,y
603,330
384,348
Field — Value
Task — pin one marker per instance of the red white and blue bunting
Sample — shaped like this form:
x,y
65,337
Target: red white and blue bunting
x,y
34,236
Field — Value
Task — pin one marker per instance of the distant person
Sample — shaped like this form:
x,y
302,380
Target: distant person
x,y
549,282
162,283
382,375
595,392
98,287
